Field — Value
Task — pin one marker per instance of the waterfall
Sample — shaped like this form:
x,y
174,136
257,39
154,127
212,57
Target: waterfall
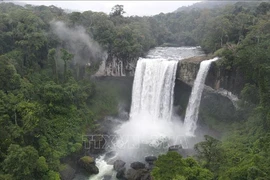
x,y
153,88
195,97
151,125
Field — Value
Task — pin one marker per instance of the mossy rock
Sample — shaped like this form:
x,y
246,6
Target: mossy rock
x,y
87,160
67,172
88,164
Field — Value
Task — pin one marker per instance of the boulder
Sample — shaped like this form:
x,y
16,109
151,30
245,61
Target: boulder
x,y
118,165
140,174
88,164
179,149
67,172
150,159
121,173
175,148
107,177
137,165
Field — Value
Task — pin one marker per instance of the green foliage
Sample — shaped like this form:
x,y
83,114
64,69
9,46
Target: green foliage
x,y
173,166
27,156
210,153
9,79
43,110
250,94
42,166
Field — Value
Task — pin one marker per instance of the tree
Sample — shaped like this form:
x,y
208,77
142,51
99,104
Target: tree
x,y
117,10
66,57
173,166
27,158
9,79
52,62
210,154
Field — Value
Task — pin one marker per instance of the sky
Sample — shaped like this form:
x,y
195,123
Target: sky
x,y
139,8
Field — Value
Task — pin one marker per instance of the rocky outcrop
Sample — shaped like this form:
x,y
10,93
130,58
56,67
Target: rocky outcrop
x,y
219,77
89,165
116,67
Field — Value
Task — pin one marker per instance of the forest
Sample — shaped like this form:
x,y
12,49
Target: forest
x,y
49,98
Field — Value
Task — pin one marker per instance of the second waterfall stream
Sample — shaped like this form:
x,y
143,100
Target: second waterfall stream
x,y
192,111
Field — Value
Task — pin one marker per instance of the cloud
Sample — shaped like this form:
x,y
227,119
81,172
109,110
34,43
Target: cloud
x,y
140,8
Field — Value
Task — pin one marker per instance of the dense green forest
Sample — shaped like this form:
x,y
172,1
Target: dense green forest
x,y
48,99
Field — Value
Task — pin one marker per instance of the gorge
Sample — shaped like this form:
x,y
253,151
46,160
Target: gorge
x,y
154,124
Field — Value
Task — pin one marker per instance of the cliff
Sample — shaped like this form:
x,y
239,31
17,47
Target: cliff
x,y
219,78
116,68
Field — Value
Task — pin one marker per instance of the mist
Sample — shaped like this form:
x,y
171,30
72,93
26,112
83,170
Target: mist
x,y
86,51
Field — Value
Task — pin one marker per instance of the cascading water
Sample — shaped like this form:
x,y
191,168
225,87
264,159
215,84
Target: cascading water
x,y
153,88
151,121
192,111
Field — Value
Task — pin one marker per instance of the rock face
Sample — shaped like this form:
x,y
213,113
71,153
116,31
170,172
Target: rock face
x,y
116,67
88,164
219,76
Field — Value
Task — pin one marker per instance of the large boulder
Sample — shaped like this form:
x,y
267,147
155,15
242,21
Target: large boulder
x,y
137,165
88,164
118,165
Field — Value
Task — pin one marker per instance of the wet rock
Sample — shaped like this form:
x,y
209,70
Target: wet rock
x,y
140,174
150,159
150,167
121,173
137,165
179,149
109,155
107,177
175,148
118,165
88,164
